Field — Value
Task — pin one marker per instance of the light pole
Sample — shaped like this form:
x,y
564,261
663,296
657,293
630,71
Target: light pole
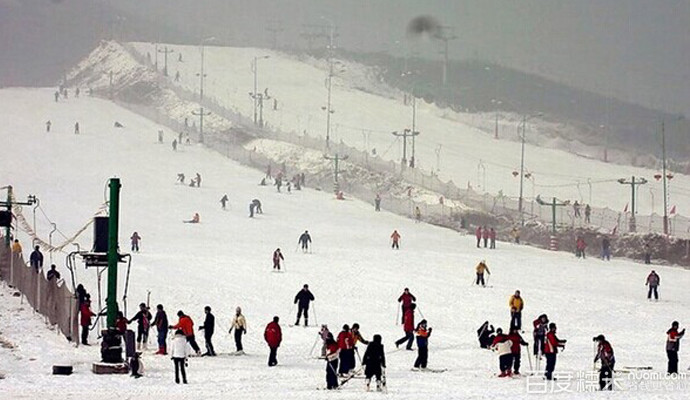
x,y
522,162
329,80
663,176
201,76
165,51
258,97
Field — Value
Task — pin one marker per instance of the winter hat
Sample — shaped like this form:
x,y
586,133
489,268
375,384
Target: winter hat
x,y
600,338
180,313
346,327
355,326
160,306
377,338
207,308
276,319
674,324
422,322
499,331
142,305
552,325
238,309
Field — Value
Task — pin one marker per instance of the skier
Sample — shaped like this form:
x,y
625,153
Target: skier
x,y
324,333
492,238
485,236
198,180
76,128
417,214
423,334
257,204
485,334
377,202
57,96
143,318
673,337
608,361
160,321
551,346
346,344
478,234
605,249
251,209
304,240
395,236
86,314
179,351
186,324
408,328
135,241
516,304
273,337
136,365
480,269
357,337
515,348
53,273
36,259
223,201
48,124
406,298
540,327
239,324
277,256
208,327
653,281
180,178
588,213
332,354
278,183
502,345
375,362
76,92
580,246
302,299
195,219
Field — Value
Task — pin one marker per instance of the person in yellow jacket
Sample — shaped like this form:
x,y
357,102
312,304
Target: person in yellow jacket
x,y
16,247
516,304
481,268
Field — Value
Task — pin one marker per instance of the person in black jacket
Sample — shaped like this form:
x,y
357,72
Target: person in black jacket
x,y
486,336
36,259
143,318
374,361
302,300
304,240
208,327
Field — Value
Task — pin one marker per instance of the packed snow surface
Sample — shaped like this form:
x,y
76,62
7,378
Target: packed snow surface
x,y
225,261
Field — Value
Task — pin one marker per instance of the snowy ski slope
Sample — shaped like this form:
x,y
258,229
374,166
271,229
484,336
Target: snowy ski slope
x,y
225,261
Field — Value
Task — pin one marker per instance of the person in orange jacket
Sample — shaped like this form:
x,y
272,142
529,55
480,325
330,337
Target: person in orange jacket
x,y
186,325
516,304
395,236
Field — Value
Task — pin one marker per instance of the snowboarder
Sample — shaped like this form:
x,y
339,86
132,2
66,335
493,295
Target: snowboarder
x,y
143,318
417,214
478,234
304,240
423,334
516,304
377,203
406,298
580,246
408,328
395,236
302,299
160,321
492,238
179,351
257,205
324,333
277,256
85,320
480,269
180,178
239,324
375,362
485,334
76,128
653,281
588,213
186,324
195,219
36,259
346,344
551,346
135,238
223,201
515,348
605,249
332,356
48,124
673,337
485,236
273,336
502,345
608,361
208,327
136,365
541,325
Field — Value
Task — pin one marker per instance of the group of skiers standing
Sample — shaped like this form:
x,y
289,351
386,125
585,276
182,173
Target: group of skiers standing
x,y
488,235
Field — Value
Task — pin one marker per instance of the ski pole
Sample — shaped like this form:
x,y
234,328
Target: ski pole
x,y
397,313
314,345
487,279
420,312
358,356
529,358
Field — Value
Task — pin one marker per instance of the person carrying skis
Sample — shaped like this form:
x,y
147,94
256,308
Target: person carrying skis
x,y
541,325
135,241
485,236
480,269
423,334
408,327
406,298
516,304
551,346
346,343
608,361
375,362
673,337
160,321
324,333
143,318
304,240
485,334
186,324
515,348
273,336
208,327
653,281
179,351
302,299
478,234
502,345
277,256
395,237
224,201
332,354
605,249
492,238
239,324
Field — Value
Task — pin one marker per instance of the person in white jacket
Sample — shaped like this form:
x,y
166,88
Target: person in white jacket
x,y
180,350
502,345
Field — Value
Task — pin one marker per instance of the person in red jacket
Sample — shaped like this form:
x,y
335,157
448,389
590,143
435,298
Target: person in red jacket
x,y
517,343
408,327
406,298
551,350
186,324
85,320
332,353
608,362
395,237
485,236
492,238
273,335
346,344
277,256
580,246
478,234
502,345
673,337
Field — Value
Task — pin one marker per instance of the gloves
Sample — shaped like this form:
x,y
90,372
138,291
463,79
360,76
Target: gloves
x,y
230,331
